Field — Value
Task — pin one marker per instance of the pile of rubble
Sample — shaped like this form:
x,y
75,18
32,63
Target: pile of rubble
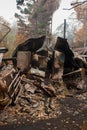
x,y
35,81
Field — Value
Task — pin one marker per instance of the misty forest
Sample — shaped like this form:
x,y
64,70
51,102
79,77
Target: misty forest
x,y
43,73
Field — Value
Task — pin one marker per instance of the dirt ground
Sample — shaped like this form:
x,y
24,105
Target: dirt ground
x,y
38,112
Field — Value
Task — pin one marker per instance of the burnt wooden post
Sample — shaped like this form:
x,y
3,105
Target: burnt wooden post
x,y
64,28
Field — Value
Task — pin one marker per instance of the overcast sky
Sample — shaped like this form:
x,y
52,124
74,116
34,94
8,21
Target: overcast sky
x,y
62,14
7,9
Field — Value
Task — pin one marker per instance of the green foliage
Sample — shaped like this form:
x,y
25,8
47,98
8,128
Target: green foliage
x,y
40,31
29,5
18,7
22,11
26,11
43,2
16,15
41,25
35,15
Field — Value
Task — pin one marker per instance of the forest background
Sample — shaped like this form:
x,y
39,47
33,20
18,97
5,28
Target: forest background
x,y
34,19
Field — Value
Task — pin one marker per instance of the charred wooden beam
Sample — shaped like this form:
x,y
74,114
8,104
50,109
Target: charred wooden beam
x,y
76,79
7,60
80,72
50,92
5,80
